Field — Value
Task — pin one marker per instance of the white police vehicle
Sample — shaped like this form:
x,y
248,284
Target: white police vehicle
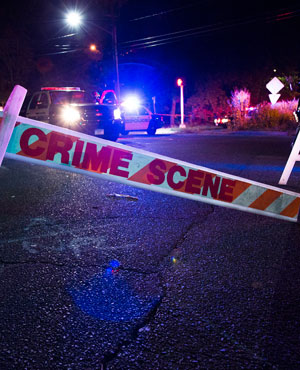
x,y
139,118
71,107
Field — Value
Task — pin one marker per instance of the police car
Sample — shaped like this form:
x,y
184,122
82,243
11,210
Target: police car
x,y
73,108
140,118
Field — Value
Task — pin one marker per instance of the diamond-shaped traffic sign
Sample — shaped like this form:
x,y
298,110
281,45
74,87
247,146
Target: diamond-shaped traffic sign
x,y
275,85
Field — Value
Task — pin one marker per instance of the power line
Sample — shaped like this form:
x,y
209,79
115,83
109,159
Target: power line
x,y
62,37
61,52
277,17
168,11
168,34
167,38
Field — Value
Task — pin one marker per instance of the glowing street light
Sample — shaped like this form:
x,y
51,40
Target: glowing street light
x,y
93,47
74,19
180,84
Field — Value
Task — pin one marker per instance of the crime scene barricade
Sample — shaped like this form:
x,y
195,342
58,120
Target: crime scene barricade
x,y
41,143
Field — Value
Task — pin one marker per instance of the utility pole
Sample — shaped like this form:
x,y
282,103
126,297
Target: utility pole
x,y
116,59
115,48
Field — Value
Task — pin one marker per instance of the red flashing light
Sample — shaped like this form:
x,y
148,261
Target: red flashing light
x,y
179,82
105,92
60,88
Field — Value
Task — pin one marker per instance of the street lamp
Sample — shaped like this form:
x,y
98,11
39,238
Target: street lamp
x,y
73,19
93,47
180,84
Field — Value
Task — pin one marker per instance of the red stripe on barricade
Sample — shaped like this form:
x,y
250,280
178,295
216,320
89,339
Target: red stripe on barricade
x,y
292,209
265,200
239,188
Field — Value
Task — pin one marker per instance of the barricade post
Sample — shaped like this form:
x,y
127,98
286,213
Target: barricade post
x,y
293,158
9,117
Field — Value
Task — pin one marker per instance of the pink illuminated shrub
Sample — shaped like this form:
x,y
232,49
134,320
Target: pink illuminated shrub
x,y
276,117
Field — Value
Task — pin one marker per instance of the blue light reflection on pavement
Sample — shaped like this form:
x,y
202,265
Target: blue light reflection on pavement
x,y
109,297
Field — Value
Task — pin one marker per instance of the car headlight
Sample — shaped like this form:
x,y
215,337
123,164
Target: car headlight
x,y
70,115
117,113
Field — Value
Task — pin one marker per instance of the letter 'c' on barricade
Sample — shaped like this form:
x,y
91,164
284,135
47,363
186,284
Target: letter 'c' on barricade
x,y
41,143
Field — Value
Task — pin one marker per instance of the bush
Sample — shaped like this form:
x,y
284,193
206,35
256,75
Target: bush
x,y
278,117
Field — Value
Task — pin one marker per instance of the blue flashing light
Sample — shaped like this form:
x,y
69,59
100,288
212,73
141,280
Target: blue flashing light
x,y
131,103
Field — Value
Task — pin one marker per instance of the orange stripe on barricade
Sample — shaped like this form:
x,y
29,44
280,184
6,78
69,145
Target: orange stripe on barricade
x,y
239,188
292,209
265,200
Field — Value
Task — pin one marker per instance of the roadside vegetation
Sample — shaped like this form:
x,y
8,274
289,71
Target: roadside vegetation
x,y
212,101
267,117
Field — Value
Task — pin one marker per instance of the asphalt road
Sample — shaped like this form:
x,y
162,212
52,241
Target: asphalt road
x,y
90,281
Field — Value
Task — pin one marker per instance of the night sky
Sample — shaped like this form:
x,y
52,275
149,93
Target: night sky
x,y
223,34
175,38
212,37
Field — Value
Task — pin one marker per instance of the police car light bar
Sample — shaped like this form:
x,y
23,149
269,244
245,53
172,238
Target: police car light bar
x,y
60,88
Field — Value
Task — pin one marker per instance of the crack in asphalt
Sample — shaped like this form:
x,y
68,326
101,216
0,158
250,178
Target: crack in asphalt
x,y
213,324
110,356
31,262
78,222
137,271
60,264
62,230
185,233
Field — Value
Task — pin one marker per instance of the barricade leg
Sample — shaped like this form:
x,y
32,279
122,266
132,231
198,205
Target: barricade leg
x,y
293,158
10,115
